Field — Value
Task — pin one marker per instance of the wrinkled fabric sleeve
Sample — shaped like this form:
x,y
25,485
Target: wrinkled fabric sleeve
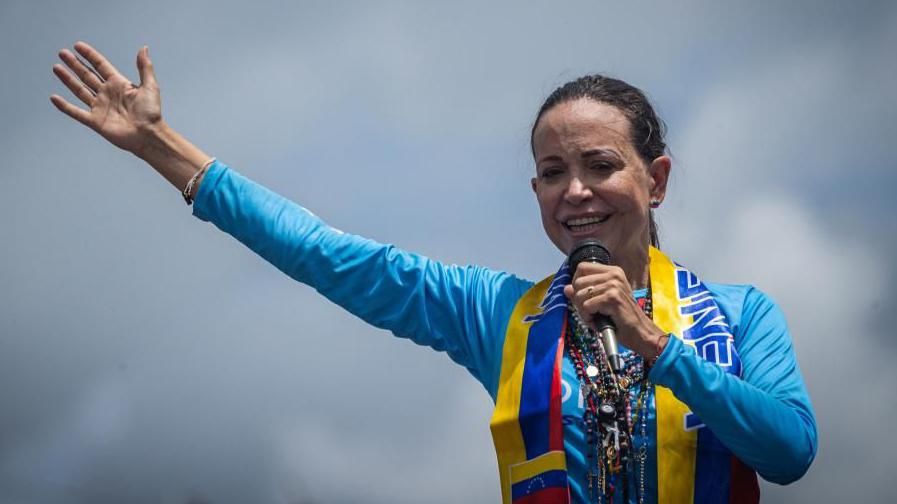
x,y
765,417
457,309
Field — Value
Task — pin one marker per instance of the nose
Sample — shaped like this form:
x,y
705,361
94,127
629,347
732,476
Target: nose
x,y
577,191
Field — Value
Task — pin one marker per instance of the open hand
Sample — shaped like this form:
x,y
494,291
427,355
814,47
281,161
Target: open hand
x,y
118,110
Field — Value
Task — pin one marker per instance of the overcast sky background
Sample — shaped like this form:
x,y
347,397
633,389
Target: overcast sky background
x,y
147,357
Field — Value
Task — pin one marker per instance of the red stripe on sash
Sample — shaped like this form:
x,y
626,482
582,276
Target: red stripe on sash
x,y
555,422
743,486
552,495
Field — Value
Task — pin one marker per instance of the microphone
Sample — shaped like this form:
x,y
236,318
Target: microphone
x,y
594,251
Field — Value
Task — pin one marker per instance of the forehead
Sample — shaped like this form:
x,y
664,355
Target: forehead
x,y
581,124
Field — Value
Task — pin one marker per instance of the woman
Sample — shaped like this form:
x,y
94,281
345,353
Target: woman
x,y
708,394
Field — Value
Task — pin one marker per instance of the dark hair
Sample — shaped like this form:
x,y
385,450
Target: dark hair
x,y
645,128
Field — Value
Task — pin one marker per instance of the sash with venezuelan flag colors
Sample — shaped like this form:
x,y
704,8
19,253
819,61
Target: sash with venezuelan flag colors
x,y
527,429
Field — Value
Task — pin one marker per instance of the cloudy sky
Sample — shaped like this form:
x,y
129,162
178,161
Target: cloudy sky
x,y
147,357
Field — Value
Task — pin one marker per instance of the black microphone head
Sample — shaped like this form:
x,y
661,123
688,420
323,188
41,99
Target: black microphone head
x,y
589,250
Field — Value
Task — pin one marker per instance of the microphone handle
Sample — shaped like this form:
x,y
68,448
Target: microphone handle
x,y
608,334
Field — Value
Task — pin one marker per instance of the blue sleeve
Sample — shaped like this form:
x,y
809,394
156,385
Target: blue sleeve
x,y
459,310
764,417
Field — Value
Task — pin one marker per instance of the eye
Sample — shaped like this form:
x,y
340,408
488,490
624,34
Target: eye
x,y
551,172
601,166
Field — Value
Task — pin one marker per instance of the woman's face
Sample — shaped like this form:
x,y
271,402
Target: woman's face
x,y
590,181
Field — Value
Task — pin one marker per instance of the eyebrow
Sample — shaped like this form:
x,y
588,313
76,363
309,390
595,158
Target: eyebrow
x,y
585,155
600,152
551,158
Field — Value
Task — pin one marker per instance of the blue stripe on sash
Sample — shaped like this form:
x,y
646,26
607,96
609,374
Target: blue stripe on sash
x,y
539,482
713,469
535,396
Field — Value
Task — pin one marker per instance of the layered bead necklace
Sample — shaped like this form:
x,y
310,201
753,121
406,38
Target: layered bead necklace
x,y
609,418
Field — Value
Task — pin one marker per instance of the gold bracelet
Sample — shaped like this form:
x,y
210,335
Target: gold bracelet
x,y
188,190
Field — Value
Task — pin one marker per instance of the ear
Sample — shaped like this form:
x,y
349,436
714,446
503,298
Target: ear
x,y
532,183
659,173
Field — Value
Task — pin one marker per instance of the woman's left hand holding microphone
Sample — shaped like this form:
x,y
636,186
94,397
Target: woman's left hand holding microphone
x,y
604,289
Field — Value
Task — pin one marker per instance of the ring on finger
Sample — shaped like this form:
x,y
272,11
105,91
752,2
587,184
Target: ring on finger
x,y
589,291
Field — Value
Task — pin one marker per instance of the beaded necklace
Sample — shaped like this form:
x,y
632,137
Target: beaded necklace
x,y
608,417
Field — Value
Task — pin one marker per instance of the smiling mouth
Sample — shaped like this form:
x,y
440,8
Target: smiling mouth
x,y
585,224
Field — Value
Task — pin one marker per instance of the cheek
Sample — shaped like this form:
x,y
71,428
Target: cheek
x,y
628,193
547,202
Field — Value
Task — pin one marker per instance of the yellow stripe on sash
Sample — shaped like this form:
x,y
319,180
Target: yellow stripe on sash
x,y
505,427
676,447
551,461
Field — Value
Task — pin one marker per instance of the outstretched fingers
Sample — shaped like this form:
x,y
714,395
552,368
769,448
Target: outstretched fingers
x,y
88,76
99,62
77,87
78,114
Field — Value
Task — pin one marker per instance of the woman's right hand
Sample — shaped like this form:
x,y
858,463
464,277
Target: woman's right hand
x,y
120,111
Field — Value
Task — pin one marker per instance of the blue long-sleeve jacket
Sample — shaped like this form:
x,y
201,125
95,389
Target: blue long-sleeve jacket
x,y
764,417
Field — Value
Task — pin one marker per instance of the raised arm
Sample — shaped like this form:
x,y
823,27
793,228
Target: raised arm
x,y
459,310
129,116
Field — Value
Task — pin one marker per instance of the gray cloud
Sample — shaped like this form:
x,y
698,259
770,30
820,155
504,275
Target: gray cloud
x,y
147,358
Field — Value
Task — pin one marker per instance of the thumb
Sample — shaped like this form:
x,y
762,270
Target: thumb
x,y
145,67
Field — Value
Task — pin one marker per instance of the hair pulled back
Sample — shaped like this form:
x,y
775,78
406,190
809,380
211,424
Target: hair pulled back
x,y
646,130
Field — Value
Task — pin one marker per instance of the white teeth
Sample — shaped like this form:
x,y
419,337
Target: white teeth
x,y
586,221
